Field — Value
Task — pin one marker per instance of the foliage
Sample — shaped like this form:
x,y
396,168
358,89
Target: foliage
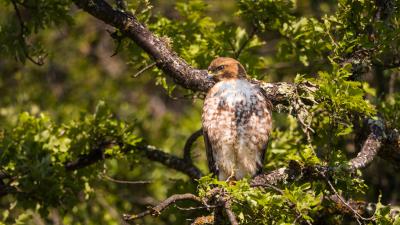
x,y
269,205
35,153
82,101
39,15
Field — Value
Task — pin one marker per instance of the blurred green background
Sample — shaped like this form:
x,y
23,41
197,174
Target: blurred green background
x,y
81,70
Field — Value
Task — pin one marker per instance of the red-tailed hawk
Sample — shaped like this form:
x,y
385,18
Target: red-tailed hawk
x,y
236,122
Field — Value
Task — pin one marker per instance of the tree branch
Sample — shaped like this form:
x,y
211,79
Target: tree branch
x,y
92,157
390,150
167,60
171,161
229,213
149,152
188,145
370,147
155,211
294,172
143,70
243,46
344,202
21,36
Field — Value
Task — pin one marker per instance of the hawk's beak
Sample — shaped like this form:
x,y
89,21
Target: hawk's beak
x,y
210,75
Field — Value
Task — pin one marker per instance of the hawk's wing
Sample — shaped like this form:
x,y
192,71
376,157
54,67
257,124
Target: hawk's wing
x,y
267,108
210,158
263,151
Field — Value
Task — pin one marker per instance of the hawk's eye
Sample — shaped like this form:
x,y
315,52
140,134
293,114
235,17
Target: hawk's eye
x,y
220,68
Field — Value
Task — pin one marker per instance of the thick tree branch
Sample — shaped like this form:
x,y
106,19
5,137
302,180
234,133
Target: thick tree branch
x,y
294,171
171,161
367,153
92,157
369,150
390,150
149,152
167,60
370,147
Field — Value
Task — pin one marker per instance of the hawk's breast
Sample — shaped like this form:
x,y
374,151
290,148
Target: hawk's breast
x,y
237,121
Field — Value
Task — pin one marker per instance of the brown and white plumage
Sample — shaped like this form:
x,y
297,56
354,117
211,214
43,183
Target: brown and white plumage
x,y
236,122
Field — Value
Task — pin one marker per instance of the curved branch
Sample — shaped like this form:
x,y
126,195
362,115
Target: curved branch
x,y
188,145
370,147
390,150
296,171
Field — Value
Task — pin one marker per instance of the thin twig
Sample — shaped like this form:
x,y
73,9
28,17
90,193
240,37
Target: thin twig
x,y
126,181
21,22
156,210
297,218
4,174
229,212
188,145
22,38
358,216
253,32
118,38
195,208
143,70
232,46
236,53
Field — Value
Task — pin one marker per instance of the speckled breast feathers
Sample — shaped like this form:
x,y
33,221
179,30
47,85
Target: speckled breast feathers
x,y
236,124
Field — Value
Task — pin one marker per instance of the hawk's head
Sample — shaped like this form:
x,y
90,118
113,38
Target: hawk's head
x,y
223,68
